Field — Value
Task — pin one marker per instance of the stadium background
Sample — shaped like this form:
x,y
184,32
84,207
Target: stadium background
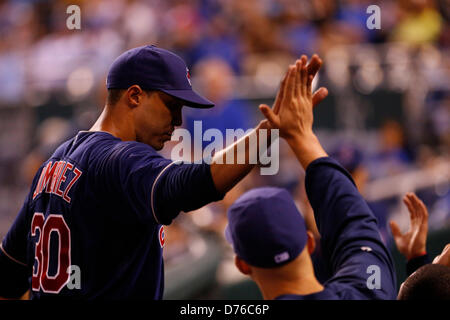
x,y
386,119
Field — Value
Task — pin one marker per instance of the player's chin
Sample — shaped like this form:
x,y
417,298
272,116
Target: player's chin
x,y
160,143
158,146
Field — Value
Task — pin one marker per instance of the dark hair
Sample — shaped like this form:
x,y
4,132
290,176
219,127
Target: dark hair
x,y
114,95
430,282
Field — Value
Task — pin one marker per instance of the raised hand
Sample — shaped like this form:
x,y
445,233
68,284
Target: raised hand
x,y
412,243
444,257
292,113
312,69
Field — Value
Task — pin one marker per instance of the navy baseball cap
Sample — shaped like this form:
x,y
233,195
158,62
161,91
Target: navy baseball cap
x,y
154,68
265,227
348,155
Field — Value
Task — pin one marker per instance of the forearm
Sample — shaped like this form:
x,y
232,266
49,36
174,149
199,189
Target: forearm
x,y
306,148
233,163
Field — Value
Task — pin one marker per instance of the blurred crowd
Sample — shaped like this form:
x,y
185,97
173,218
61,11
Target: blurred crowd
x,y
53,84
253,37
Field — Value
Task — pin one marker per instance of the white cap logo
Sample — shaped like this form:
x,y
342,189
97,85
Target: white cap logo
x,y
281,257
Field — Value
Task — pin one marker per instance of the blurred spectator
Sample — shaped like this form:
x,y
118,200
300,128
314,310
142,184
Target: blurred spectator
x,y
437,123
394,155
50,134
419,22
216,84
351,158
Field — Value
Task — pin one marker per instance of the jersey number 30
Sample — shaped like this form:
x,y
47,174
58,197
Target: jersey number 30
x,y
41,279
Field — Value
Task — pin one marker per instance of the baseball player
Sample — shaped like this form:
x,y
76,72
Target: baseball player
x,y
96,208
269,236
426,280
412,244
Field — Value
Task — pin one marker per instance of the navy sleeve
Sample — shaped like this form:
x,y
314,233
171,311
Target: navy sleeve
x,y
14,270
156,188
350,239
184,187
13,276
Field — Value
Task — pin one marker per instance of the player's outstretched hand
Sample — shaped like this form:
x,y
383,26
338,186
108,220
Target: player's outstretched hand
x,y
444,257
412,243
294,74
292,110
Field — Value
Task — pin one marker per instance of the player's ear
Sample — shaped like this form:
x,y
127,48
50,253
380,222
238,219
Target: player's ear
x,y
242,266
311,242
134,95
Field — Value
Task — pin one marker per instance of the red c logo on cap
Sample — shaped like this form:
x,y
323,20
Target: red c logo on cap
x,y
162,236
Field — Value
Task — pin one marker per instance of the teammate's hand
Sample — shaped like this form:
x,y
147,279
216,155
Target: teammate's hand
x,y
292,111
412,243
312,69
444,257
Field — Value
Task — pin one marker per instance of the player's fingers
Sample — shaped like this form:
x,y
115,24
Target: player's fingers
x,y
319,96
396,233
414,218
444,257
298,66
269,114
303,74
421,208
289,93
314,65
409,205
279,98
304,79
415,203
304,59
422,215
424,209
308,85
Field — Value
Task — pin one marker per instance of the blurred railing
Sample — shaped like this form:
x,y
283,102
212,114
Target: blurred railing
x,y
437,176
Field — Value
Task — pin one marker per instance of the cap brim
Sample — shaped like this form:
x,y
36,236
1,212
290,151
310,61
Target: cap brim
x,y
190,97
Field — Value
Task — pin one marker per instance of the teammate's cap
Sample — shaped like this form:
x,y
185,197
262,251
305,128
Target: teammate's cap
x,y
153,68
265,227
348,155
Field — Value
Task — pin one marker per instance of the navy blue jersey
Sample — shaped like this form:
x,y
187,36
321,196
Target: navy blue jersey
x,y
350,241
96,209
